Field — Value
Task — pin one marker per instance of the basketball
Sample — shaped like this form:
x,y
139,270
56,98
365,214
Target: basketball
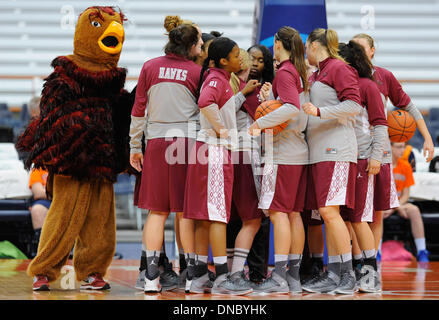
x,y
401,126
267,107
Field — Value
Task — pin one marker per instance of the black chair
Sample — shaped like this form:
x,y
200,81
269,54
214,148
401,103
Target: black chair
x,y
16,225
6,134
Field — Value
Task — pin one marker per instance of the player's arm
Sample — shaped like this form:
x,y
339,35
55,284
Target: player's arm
x,y
401,100
138,122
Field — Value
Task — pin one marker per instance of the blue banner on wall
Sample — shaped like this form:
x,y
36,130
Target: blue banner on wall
x,y
302,15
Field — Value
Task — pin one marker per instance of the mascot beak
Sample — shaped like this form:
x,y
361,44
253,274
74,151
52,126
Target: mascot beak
x,y
111,40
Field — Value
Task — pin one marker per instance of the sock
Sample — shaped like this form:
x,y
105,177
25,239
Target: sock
x,y
201,259
200,266
239,258
152,261
420,244
220,265
190,264
357,261
334,265
294,260
143,261
370,258
182,260
346,262
316,261
230,252
163,259
280,264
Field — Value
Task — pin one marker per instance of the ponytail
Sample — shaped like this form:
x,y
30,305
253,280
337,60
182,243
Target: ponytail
x,y
354,54
292,42
203,70
328,38
332,44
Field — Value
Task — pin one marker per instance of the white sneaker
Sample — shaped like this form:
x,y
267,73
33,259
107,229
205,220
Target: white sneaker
x,y
370,281
200,284
152,286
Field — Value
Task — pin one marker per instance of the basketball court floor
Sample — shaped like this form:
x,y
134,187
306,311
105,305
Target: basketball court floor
x,y
401,281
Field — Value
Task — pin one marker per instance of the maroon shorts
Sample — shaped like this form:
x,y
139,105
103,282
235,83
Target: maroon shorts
x,y
310,214
363,210
334,184
209,183
283,187
165,164
245,197
385,197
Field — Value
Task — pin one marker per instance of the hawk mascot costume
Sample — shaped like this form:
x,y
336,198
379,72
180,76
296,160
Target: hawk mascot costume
x,y
82,138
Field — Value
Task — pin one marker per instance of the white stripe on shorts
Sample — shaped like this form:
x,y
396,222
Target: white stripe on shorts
x,y
216,199
339,182
256,169
268,185
367,215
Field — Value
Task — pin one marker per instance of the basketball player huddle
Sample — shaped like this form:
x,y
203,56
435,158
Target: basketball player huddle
x,y
320,156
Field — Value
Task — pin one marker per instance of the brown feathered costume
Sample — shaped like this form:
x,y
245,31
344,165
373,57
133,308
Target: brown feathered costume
x,y
81,138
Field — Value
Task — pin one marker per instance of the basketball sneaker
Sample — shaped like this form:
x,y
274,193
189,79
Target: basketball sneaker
x,y
152,285
41,283
295,287
201,284
184,283
94,282
273,284
347,283
423,256
316,271
168,278
370,281
240,279
223,285
326,282
140,283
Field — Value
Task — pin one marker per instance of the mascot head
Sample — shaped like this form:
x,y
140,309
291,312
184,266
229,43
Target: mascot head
x,y
99,36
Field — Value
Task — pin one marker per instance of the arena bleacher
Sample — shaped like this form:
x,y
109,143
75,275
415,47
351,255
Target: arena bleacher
x,y
33,33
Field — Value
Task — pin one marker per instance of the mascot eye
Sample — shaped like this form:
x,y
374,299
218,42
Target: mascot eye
x,y
95,24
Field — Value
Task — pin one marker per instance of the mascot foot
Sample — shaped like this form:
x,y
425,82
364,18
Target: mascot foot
x,y
41,283
94,282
